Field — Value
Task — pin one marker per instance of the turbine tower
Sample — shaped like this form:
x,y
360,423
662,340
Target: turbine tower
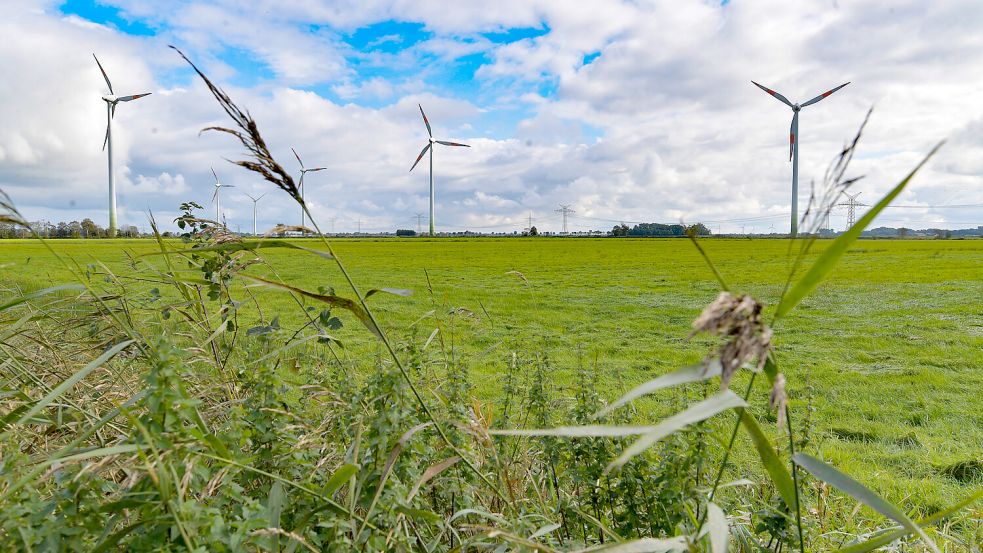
x,y
255,201
430,147
111,100
303,171
217,198
793,146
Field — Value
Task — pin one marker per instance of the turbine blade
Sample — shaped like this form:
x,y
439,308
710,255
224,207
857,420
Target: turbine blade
x,y
106,140
298,158
214,175
823,95
134,97
316,169
777,96
425,122
104,75
214,195
451,143
419,157
261,196
112,111
793,135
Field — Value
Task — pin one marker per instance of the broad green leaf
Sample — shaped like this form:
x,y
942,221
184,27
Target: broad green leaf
x,y
334,301
766,452
889,535
695,413
338,479
589,431
420,514
73,380
717,527
858,491
92,453
644,545
828,259
694,373
432,472
250,245
394,291
545,530
274,505
39,293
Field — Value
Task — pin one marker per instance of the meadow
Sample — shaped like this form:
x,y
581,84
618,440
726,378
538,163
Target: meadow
x,y
883,361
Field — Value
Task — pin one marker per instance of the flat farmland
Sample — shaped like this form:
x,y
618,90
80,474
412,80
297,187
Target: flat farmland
x,y
884,361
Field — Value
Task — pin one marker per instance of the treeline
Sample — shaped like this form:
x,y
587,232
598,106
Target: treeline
x,y
659,229
74,229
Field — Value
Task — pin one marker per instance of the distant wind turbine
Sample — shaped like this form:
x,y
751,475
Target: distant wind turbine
x,y
217,198
303,171
111,100
793,147
430,147
255,201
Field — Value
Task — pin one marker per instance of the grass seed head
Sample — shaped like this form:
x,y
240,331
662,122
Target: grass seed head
x,y
738,320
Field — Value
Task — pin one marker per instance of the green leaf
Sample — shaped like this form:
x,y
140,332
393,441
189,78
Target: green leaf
x,y
334,301
694,373
858,491
39,293
717,527
338,479
889,535
644,545
695,413
828,259
73,380
394,291
766,452
250,245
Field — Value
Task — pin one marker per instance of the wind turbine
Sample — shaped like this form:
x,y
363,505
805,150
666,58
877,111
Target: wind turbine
x,y
217,198
430,146
303,171
111,100
255,200
793,146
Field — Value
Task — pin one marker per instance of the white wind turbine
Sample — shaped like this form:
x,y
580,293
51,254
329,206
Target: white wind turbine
x,y
111,100
430,146
793,146
303,171
217,198
255,201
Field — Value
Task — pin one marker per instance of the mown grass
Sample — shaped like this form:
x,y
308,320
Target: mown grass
x,y
886,354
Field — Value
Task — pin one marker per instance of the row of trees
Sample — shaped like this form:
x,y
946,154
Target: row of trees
x,y
659,229
74,229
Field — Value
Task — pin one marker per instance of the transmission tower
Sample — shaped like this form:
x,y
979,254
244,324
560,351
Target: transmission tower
x,y
419,228
529,228
333,219
565,210
851,206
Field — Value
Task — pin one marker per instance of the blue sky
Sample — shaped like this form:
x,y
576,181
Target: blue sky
x,y
627,110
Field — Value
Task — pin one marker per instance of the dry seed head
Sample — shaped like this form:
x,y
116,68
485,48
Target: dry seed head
x,y
738,320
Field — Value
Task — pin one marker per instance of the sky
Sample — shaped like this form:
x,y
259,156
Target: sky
x,y
626,111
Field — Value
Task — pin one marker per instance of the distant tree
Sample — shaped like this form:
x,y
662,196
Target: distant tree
x,y
903,232
90,229
533,231
405,232
620,230
699,229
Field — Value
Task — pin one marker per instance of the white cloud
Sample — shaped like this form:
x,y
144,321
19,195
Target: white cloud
x,y
663,125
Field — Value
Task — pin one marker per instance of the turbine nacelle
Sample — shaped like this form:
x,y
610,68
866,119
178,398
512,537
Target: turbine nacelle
x,y
110,99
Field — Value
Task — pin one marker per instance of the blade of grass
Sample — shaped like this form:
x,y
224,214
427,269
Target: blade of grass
x,y
861,493
828,259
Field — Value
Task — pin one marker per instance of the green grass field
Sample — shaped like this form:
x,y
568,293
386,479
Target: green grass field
x,y
887,354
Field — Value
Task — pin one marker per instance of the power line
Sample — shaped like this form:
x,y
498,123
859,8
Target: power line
x,y
565,210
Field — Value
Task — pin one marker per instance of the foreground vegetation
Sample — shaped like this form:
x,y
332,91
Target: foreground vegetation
x,y
171,403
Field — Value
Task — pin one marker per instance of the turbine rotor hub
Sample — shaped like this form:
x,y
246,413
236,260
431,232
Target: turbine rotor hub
x,y
109,99
796,107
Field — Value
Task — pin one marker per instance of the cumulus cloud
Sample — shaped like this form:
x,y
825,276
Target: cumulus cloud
x,y
663,124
